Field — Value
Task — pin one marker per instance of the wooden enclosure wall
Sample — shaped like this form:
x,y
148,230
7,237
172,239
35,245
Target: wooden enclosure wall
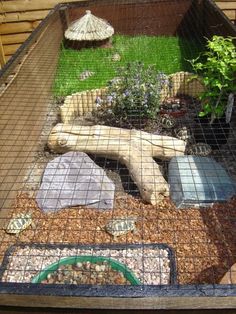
x,y
140,18
229,8
18,18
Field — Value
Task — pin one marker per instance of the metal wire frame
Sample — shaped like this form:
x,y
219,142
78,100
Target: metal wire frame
x,y
24,110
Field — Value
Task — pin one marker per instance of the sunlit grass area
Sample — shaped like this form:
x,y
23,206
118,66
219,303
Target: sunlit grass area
x,y
168,54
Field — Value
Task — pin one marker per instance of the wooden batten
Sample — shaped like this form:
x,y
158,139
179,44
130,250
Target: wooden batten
x,y
18,18
23,16
231,14
2,55
14,38
29,5
229,8
10,49
176,304
21,27
8,58
226,5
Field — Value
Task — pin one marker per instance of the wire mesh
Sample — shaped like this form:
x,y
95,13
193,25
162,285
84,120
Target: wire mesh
x,y
56,79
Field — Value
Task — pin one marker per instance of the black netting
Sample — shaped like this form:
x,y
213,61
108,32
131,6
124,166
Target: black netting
x,y
104,157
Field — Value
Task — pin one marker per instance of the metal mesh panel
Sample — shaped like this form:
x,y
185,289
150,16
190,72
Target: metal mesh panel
x,y
54,103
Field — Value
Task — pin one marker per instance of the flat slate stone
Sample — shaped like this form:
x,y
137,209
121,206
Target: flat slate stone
x,y
74,179
198,181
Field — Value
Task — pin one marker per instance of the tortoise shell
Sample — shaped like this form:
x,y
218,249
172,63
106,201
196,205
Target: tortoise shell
x,y
85,75
199,149
119,226
183,134
166,121
19,223
116,57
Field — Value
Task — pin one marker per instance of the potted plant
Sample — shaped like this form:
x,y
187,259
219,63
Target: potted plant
x,y
217,67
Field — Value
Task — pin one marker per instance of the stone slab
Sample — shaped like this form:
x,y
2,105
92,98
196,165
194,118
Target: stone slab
x,y
74,179
198,181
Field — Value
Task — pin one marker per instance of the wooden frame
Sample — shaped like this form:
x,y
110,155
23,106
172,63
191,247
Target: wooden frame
x,y
175,297
143,297
157,303
151,297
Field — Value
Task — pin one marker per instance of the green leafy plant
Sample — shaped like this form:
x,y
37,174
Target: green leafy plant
x,y
216,66
136,92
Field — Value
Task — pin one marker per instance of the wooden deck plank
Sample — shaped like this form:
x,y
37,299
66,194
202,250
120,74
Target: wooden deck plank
x,y
15,310
148,303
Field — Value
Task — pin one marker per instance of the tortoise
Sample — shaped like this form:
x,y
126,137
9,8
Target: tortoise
x,y
85,75
19,223
166,121
199,149
116,57
183,133
120,226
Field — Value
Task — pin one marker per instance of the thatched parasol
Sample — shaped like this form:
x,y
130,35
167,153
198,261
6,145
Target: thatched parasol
x,y
89,28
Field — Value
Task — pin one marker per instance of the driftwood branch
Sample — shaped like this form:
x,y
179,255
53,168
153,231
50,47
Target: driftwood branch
x,y
133,148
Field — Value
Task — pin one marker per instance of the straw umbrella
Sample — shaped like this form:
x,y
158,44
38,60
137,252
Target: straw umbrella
x,y
89,31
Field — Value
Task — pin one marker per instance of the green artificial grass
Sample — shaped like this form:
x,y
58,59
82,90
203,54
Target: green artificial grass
x,y
168,54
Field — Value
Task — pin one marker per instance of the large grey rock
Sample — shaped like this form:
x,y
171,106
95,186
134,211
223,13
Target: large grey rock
x,y
198,181
74,179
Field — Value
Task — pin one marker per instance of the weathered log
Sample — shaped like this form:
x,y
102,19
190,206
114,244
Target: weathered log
x,y
133,148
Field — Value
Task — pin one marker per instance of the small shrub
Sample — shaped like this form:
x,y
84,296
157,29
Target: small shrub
x,y
136,92
217,66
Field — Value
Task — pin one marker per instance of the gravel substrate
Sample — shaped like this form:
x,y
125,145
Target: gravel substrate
x,y
86,273
203,239
151,266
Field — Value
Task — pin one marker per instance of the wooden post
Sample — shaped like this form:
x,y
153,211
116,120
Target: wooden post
x,y
64,18
2,55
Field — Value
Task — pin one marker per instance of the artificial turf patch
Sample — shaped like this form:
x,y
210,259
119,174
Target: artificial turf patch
x,y
168,54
